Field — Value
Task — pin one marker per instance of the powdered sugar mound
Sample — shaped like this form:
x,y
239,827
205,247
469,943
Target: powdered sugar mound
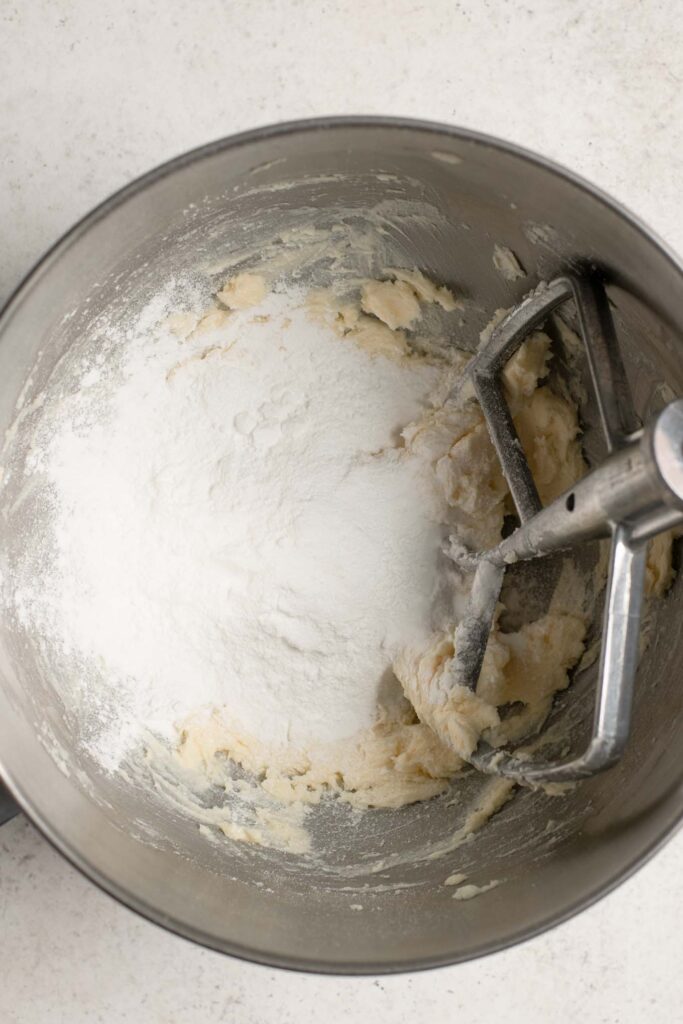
x,y
235,523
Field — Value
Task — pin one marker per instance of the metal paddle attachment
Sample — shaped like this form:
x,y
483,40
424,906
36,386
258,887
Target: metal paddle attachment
x,y
634,494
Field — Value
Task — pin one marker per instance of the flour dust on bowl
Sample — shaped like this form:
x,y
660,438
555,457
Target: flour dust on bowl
x,y
236,491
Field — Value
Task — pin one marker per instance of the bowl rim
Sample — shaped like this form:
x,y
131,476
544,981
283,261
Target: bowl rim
x,y
49,829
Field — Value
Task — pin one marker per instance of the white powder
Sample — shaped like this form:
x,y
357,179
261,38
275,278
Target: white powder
x,y
229,531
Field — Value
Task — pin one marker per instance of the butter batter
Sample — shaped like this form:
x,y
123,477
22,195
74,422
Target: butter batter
x,y
245,565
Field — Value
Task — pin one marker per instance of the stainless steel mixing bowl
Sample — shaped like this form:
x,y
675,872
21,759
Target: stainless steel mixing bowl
x,y
273,907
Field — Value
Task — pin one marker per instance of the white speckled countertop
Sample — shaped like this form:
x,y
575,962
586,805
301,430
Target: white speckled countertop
x,y
93,94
